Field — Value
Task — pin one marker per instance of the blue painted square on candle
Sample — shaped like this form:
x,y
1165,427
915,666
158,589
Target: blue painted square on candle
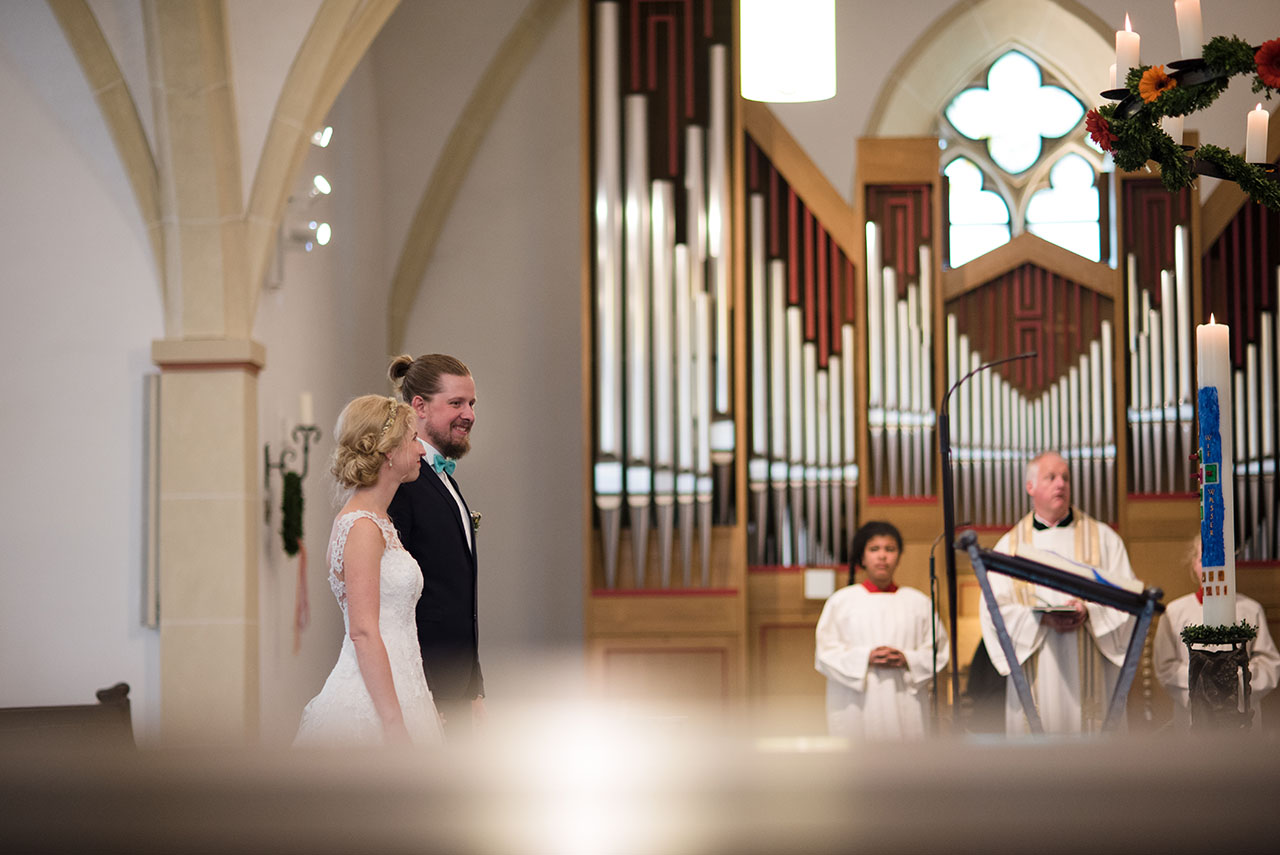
x,y
1211,498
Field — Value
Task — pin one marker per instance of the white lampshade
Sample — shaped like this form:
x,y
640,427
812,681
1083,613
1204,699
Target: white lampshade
x,y
788,50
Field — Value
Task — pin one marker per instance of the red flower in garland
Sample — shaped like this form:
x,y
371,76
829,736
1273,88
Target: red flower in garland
x,y
1268,60
1099,130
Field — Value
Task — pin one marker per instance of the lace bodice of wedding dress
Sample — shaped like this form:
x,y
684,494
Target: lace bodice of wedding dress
x,y
343,713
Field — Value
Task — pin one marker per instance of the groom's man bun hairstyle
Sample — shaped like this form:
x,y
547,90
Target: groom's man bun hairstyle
x,y
421,376
368,429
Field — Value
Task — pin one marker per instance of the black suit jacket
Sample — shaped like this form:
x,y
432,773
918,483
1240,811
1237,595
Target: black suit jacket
x,y
430,527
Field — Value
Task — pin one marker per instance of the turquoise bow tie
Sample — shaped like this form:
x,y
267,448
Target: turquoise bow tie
x,y
444,464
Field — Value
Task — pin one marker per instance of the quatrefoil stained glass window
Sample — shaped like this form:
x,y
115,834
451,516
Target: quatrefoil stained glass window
x,y
1013,163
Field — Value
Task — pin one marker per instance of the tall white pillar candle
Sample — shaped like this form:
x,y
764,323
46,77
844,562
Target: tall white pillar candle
x,y
1255,140
1127,51
1217,517
1190,32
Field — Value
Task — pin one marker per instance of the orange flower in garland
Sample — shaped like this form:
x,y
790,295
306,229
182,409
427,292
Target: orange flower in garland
x,y
1154,81
1268,59
1099,130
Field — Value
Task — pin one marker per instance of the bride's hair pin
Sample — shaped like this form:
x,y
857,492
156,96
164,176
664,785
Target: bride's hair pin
x,y
391,417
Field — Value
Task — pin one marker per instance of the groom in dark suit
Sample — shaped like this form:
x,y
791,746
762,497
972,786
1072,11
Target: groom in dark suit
x,y
435,526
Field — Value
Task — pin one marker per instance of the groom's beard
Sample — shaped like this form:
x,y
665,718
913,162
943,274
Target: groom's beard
x,y
448,446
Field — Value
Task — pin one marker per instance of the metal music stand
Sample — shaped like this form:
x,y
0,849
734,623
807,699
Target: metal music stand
x,y
1142,605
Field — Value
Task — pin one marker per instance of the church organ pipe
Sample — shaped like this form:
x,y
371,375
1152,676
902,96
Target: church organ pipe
x,y
997,429
719,227
850,471
1154,403
1266,337
1160,412
875,362
1108,420
1241,466
809,366
800,375
685,476
823,468
702,423
1253,457
662,309
607,476
889,359
662,264
795,433
758,463
637,239
925,351
778,461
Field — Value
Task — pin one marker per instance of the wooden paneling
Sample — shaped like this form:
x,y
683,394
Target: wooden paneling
x,y
637,612
688,675
1027,248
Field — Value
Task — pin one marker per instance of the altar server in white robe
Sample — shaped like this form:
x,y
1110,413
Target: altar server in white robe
x,y
874,645
1070,650
1172,659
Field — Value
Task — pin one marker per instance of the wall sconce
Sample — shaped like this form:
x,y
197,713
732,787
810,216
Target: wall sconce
x,y
315,234
304,434
320,139
320,186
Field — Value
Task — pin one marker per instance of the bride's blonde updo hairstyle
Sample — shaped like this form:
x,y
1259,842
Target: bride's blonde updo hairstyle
x,y
368,428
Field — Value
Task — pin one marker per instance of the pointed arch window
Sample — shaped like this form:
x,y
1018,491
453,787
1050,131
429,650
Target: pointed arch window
x,y
1013,163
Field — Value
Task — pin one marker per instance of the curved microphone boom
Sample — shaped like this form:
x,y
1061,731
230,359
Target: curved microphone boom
x,y
949,508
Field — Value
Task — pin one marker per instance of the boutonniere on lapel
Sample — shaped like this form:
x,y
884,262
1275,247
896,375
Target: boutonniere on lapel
x,y
475,520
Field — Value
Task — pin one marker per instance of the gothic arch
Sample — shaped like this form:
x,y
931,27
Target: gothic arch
x,y
1064,36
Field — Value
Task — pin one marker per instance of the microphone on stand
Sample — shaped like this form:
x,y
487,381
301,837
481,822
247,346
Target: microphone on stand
x,y
949,507
933,603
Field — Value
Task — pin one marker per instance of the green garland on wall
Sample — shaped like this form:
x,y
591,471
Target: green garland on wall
x,y
1130,129
291,512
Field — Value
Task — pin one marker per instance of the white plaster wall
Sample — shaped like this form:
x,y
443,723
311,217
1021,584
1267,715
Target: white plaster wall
x,y
264,38
428,59
81,306
503,293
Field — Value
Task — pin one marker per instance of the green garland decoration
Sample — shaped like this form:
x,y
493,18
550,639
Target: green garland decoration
x,y
1138,137
291,512
1200,634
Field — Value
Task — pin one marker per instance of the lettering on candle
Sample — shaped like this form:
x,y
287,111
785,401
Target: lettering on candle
x,y
1212,511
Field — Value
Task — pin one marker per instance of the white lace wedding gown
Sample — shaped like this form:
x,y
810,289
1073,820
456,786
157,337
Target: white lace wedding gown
x,y
343,712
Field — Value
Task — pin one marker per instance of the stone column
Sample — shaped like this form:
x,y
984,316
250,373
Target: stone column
x,y
209,539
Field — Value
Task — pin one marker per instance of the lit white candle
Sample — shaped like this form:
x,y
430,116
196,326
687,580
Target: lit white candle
x,y
1127,51
1255,140
1112,73
1217,524
1190,33
306,410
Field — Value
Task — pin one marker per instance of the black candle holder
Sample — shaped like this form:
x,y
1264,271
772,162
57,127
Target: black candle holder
x,y
303,435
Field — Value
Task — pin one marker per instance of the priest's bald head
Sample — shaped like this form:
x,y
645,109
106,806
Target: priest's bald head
x,y
1049,486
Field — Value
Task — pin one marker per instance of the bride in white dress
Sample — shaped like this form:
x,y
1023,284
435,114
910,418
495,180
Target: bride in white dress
x,y
377,693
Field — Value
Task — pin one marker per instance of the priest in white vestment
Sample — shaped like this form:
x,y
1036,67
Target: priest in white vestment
x,y
1172,659
874,644
1070,650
